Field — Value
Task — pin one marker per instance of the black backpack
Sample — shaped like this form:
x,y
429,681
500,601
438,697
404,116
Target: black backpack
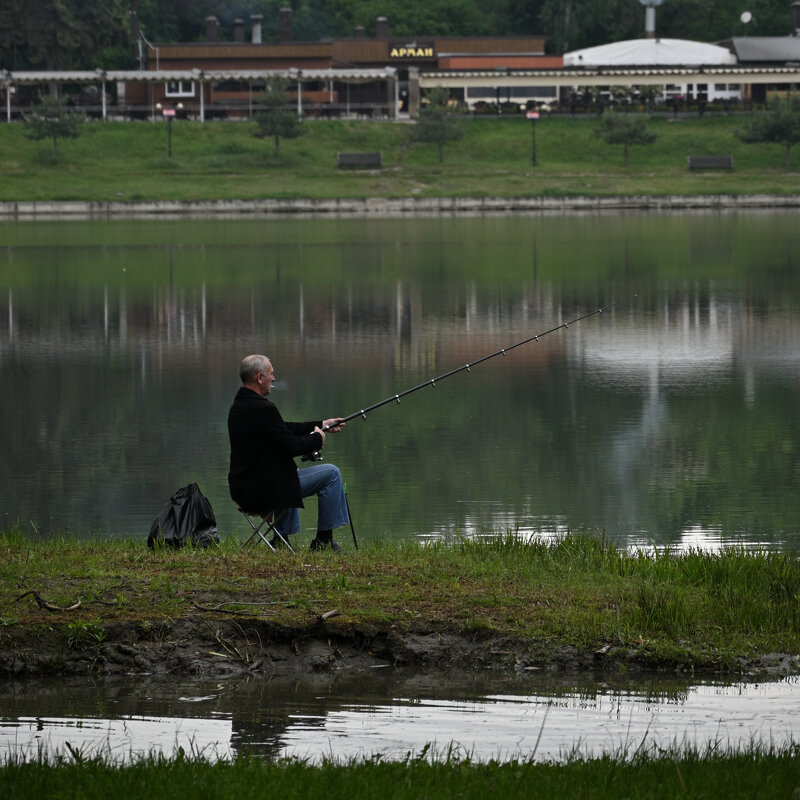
x,y
186,518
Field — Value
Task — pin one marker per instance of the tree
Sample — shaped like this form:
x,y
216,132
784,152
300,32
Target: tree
x,y
572,24
175,20
621,95
276,120
648,96
51,119
712,20
60,34
625,130
779,125
436,124
313,19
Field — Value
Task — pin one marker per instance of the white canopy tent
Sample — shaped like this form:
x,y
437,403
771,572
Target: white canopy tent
x,y
663,53
650,53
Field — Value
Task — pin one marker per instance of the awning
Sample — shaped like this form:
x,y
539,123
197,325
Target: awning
x,y
166,75
603,76
48,76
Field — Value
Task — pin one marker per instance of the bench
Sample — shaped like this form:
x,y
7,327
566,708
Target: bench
x,y
710,162
359,160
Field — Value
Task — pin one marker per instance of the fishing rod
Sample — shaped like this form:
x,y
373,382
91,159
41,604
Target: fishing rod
x,y
395,398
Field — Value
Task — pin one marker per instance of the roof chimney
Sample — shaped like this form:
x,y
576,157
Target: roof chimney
x,y
649,22
256,20
796,19
650,17
285,24
238,30
359,32
212,29
381,28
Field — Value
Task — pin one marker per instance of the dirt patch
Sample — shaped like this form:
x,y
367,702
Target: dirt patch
x,y
212,646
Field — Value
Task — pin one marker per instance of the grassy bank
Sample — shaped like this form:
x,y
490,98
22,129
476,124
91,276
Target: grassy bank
x,y
118,161
755,773
696,610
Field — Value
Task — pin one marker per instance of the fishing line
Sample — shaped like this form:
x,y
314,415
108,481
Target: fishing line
x,y
395,398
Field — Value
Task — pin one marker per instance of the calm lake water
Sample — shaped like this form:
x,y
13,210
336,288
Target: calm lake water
x,y
390,714
671,419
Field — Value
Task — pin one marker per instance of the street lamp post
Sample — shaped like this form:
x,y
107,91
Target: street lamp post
x,y
169,115
533,116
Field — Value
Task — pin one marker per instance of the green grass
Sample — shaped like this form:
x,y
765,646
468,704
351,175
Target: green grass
x,y
695,609
773,773
118,161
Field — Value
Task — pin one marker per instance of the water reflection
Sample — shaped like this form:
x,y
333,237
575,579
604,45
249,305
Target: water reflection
x,y
551,531
391,714
672,415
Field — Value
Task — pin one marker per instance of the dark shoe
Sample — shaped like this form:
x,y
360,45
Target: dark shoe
x,y
321,544
277,542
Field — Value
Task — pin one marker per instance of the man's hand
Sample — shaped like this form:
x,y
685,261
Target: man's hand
x,y
333,425
322,434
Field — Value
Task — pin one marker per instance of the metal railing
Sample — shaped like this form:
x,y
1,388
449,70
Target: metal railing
x,y
220,110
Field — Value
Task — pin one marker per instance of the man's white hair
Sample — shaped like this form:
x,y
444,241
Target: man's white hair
x,y
251,366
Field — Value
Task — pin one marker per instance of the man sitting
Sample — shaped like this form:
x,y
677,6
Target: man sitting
x,y
263,476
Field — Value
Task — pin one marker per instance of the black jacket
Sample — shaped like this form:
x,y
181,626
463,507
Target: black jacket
x,y
263,475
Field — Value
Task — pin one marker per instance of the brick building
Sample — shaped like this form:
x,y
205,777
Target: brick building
x,y
358,75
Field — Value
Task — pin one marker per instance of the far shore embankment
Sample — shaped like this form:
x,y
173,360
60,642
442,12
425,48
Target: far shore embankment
x,y
384,206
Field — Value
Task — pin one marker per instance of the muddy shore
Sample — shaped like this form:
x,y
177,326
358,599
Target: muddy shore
x,y
204,645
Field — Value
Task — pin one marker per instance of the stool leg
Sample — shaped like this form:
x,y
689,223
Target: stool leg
x,y
282,539
269,521
256,531
277,534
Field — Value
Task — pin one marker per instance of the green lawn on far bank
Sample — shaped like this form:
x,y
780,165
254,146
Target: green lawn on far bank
x,y
694,610
128,162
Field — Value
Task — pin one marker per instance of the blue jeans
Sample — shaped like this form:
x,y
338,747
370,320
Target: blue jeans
x,y
325,481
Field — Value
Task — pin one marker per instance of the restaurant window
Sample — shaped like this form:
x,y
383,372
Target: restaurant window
x,y
179,89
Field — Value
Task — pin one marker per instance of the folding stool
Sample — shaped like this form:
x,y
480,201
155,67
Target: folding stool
x,y
268,519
